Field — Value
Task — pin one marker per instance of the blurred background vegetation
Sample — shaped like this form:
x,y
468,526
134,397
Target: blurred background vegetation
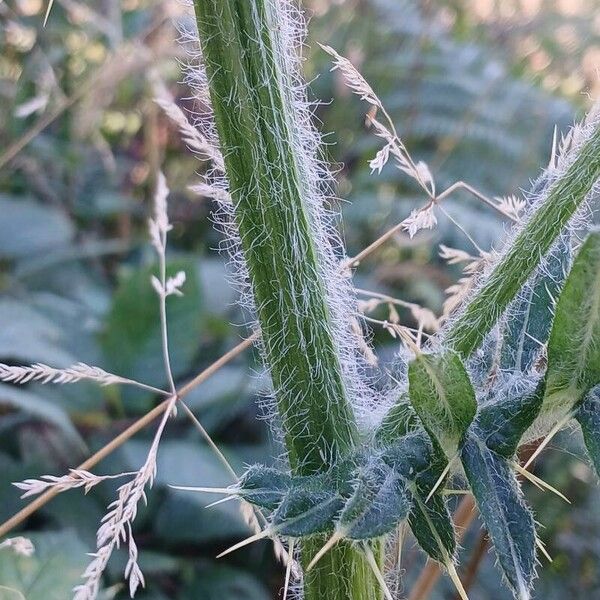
x,y
475,88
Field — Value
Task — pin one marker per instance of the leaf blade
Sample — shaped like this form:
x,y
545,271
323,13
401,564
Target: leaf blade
x,y
505,515
442,395
588,417
574,344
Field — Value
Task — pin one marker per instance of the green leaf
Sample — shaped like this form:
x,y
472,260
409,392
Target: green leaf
x,y
28,228
442,395
219,582
28,335
305,512
132,338
40,408
529,318
397,422
574,345
432,525
506,416
588,417
50,573
507,519
379,502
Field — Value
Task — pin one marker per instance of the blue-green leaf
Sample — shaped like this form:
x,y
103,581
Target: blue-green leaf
x,y
264,486
506,517
304,512
410,455
379,502
28,227
443,397
512,408
529,319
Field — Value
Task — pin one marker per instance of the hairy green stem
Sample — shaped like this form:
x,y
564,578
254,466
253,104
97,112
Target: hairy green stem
x,y
257,126
528,249
254,118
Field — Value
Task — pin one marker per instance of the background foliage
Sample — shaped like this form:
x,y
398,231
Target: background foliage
x,y
475,88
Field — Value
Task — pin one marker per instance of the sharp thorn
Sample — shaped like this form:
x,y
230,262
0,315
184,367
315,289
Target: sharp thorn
x,y
540,483
542,548
332,541
547,439
207,490
221,501
376,571
440,480
253,538
456,581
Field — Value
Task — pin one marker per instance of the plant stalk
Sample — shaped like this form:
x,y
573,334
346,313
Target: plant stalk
x,y
258,128
529,247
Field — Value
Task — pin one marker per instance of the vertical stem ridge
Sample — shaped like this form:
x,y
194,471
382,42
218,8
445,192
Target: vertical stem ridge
x,y
258,130
253,115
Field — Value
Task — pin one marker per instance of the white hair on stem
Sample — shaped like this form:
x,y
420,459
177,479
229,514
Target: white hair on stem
x,y
316,179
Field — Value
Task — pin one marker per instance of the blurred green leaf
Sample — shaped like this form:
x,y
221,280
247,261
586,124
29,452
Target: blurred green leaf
x,y
27,227
40,408
588,416
50,573
132,338
224,583
27,335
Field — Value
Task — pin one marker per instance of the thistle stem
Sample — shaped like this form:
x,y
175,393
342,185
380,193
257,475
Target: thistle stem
x,y
529,247
242,42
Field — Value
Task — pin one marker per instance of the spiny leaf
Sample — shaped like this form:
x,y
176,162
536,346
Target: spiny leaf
x,y
264,486
509,522
305,512
379,502
430,520
529,319
502,421
410,455
574,345
443,397
588,416
398,421
421,461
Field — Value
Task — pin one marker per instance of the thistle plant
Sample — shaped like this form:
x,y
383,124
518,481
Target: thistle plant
x,y
514,358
